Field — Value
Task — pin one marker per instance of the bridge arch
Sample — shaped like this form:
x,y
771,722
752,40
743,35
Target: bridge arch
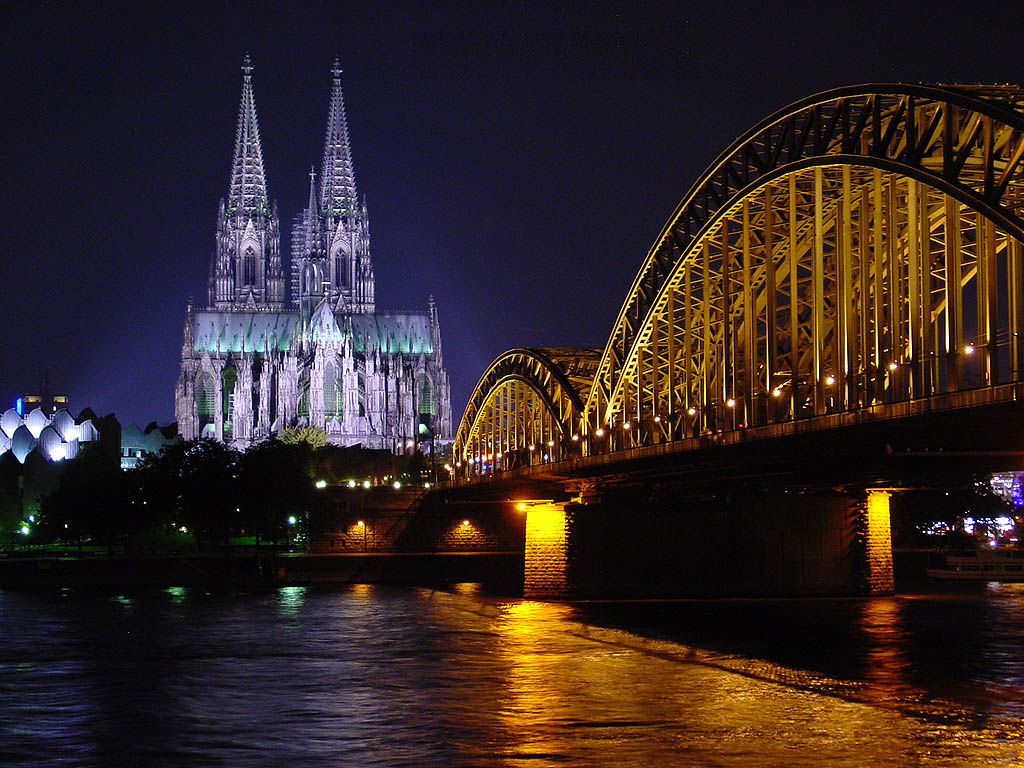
x,y
860,246
527,408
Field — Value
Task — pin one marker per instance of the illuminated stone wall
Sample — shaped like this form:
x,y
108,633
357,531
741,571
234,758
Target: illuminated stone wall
x,y
386,520
877,534
546,563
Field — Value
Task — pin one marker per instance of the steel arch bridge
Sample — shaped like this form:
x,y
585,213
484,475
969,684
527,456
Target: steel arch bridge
x,y
860,247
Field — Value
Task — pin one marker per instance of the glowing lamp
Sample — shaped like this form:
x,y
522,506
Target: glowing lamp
x,y
692,411
321,484
731,403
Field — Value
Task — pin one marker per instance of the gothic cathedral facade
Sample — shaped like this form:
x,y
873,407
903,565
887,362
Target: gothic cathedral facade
x,y
257,360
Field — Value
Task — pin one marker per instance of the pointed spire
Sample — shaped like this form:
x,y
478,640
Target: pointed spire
x,y
312,226
337,179
248,188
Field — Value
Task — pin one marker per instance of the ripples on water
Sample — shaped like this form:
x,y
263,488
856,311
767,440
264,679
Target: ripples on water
x,y
372,676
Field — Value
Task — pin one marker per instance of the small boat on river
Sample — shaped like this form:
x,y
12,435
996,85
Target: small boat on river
x,y
982,565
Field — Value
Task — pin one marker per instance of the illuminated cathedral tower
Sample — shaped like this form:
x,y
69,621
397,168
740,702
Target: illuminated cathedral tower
x,y
246,269
252,365
331,237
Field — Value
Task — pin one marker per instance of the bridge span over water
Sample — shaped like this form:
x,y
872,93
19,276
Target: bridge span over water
x,y
844,283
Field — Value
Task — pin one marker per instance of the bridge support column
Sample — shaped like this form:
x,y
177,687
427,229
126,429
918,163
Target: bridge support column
x,y
877,535
546,562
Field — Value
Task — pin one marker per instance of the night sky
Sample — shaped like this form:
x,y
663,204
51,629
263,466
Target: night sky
x,y
518,159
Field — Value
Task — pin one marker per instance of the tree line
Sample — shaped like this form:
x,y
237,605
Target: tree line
x,y
206,489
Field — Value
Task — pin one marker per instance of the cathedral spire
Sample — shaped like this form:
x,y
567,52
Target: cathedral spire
x,y
248,191
312,218
337,179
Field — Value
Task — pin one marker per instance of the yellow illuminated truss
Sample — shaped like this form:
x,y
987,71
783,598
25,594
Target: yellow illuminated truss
x,y
526,406
862,246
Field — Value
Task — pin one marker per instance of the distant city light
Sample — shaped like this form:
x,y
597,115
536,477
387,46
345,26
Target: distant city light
x,y
24,530
292,520
351,483
366,483
692,411
830,380
397,485
600,432
969,349
321,483
731,403
776,392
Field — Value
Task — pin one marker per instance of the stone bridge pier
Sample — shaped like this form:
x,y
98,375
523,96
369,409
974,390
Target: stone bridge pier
x,y
631,543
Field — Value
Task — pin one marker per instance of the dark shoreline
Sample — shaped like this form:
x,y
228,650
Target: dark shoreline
x,y
263,569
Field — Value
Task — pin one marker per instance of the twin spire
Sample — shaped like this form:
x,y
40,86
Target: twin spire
x,y
337,178
248,189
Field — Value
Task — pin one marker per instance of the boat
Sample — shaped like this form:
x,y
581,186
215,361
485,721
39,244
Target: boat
x,y
982,565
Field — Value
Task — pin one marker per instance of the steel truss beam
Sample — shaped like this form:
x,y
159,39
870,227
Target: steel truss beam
x,y
796,259
859,247
526,406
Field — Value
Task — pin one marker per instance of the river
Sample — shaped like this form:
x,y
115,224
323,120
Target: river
x,y
392,676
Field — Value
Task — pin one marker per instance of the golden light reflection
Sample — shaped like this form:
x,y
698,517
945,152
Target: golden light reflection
x,y
885,657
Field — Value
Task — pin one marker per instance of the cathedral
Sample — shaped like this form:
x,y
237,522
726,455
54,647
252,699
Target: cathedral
x,y
304,345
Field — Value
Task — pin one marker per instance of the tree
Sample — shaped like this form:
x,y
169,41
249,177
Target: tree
x,y
313,436
274,484
90,501
194,484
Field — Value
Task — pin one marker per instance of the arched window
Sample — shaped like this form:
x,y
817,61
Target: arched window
x,y
427,403
332,392
206,400
340,269
228,379
249,267
304,394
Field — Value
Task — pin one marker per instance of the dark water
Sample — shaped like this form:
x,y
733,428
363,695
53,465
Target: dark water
x,y
372,676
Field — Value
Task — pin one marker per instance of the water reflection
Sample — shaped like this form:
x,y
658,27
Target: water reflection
x,y
413,677
291,600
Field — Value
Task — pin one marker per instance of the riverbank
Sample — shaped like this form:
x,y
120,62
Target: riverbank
x,y
269,568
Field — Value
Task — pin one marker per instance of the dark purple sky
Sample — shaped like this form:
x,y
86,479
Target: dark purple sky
x,y
518,158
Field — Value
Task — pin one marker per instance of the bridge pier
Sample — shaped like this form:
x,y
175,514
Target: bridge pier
x,y
545,571
756,542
